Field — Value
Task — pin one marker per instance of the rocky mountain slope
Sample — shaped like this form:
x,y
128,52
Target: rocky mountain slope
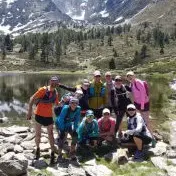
x,y
19,16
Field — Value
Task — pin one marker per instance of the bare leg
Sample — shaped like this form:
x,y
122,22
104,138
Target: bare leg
x,y
50,135
37,134
138,143
145,115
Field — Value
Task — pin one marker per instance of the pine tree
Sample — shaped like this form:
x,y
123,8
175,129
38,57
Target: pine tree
x,y
110,39
112,64
143,53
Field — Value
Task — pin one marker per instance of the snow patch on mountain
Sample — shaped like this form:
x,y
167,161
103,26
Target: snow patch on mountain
x,y
104,13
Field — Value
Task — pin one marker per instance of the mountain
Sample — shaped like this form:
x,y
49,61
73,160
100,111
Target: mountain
x,y
20,16
30,15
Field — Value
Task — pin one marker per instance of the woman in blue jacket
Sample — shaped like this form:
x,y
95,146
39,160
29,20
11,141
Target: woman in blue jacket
x,y
67,122
88,130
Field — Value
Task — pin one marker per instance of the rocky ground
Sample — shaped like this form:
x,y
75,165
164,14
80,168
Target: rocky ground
x,y
17,147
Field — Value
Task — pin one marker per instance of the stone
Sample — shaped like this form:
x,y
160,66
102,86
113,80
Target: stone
x,y
13,167
15,139
44,147
29,137
44,140
28,145
121,156
6,133
18,129
97,170
2,173
171,153
160,149
18,149
40,164
159,162
171,170
8,156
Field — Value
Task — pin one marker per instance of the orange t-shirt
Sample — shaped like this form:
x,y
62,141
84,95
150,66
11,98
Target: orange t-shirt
x,y
45,109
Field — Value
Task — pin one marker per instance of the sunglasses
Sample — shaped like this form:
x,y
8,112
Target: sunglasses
x,y
106,113
118,80
131,109
74,103
90,116
98,76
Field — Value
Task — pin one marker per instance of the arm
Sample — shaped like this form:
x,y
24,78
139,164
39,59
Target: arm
x,y
77,118
141,88
72,89
80,131
95,132
40,93
60,119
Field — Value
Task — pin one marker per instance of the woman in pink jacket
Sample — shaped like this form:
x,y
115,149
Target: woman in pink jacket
x,y
140,97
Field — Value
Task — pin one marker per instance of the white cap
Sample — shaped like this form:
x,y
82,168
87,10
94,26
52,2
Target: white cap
x,y
132,106
97,73
108,73
106,110
130,73
79,91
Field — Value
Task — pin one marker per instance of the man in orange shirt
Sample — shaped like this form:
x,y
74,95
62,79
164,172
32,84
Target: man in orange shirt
x,y
44,99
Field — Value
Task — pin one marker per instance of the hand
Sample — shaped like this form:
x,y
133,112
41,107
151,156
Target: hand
x,y
29,116
128,132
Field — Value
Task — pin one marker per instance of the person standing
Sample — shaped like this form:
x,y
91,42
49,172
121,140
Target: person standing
x,y
97,95
120,100
109,85
83,100
44,99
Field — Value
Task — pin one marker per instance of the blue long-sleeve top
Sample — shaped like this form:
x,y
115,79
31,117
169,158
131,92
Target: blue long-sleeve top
x,y
86,130
67,118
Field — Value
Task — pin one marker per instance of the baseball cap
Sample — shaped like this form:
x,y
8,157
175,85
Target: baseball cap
x,y
106,110
108,73
97,73
54,78
89,114
118,77
74,100
131,106
130,73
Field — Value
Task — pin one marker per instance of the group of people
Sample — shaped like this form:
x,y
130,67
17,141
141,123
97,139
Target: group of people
x,y
86,113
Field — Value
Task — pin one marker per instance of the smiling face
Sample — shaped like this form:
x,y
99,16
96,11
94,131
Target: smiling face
x,y
131,111
73,105
130,78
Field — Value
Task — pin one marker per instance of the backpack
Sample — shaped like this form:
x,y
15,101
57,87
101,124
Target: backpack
x,y
146,87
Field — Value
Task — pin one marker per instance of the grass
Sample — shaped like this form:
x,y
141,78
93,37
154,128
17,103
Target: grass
x,y
42,172
132,169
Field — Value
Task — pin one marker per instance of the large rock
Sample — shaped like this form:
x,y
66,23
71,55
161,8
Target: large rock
x,y
6,133
173,134
8,156
18,129
28,145
40,164
15,167
15,139
159,162
92,169
160,149
18,149
2,173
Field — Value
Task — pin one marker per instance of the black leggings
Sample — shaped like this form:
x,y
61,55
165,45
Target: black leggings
x,y
119,117
62,136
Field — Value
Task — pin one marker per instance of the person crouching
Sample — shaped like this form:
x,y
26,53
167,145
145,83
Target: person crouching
x,y
88,130
137,131
106,127
67,122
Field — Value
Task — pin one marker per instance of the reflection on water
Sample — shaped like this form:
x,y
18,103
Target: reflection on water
x,y
16,89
